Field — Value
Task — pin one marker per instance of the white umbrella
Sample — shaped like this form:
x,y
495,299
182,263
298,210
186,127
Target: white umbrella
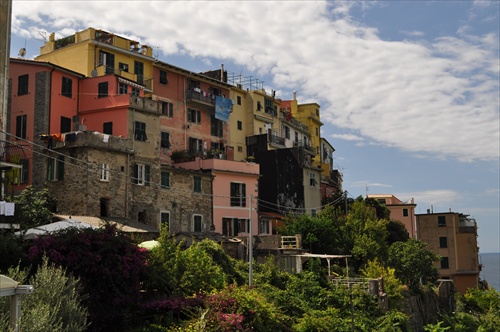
x,y
149,244
53,227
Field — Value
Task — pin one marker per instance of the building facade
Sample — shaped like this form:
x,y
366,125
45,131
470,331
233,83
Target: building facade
x,y
453,236
401,211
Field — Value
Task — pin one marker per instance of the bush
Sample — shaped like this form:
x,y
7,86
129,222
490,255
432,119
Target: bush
x,y
109,265
54,306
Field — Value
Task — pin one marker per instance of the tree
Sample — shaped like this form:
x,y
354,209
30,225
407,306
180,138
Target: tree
x,y
54,306
413,262
35,207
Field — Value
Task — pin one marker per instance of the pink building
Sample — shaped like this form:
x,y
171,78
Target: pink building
x,y
402,211
235,192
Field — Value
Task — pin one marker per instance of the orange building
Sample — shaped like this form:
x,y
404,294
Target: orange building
x,y
453,236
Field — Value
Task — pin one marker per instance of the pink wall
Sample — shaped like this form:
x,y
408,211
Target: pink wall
x,y
227,171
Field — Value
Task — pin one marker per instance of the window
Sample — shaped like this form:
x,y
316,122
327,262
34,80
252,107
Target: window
x,y
197,184
163,77
67,87
296,137
104,172
197,225
22,85
24,171
317,131
139,71
122,89
65,124
243,226
287,132
55,169
445,264
405,212
105,202
21,121
317,112
264,226
140,131
165,220
259,106
194,116
167,109
238,194
313,212
269,107
441,221
195,145
141,174
136,92
443,242
240,149
165,180
123,66
230,226
238,100
193,84
165,140
108,60
102,90
240,125
107,128
216,127
312,180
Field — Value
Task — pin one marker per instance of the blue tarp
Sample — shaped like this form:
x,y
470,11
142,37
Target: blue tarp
x,y
222,108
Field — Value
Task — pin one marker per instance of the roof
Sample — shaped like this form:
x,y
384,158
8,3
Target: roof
x,y
123,225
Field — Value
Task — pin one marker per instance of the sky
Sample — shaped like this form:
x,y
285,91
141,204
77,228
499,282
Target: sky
x,y
409,90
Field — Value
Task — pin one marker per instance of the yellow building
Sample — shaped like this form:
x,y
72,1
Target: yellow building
x,y
95,53
309,114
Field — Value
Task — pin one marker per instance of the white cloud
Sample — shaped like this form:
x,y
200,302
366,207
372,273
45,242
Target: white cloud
x,y
347,137
440,199
438,98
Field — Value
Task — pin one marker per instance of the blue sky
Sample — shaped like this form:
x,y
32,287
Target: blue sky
x,y
409,90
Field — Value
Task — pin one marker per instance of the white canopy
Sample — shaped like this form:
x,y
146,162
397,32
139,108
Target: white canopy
x,y
53,227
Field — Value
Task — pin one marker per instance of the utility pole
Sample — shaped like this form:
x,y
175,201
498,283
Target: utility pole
x,y
345,199
250,245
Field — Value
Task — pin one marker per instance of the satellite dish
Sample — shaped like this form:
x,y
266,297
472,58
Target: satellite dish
x,y
93,73
22,52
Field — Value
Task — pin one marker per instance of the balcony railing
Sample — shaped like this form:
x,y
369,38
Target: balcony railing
x,y
306,147
198,95
276,140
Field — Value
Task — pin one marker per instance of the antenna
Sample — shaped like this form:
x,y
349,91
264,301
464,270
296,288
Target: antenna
x,y
22,52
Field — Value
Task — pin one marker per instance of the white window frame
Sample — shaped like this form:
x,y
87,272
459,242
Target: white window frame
x,y
264,226
141,174
104,172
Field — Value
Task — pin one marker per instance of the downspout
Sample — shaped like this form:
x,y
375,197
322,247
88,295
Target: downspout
x,y
455,243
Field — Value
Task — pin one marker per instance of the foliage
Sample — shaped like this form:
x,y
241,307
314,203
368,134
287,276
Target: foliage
x,y
381,210
320,234
392,285
35,207
109,266
413,262
393,321
397,232
55,305
367,234
11,250
202,268
436,327
477,310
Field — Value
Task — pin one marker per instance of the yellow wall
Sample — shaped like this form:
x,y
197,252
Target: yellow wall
x,y
237,137
307,115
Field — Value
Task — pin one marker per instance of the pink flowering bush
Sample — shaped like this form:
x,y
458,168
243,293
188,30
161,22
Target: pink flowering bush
x,y
110,268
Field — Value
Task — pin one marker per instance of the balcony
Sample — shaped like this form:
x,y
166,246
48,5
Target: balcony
x,y
145,104
276,140
92,139
11,154
197,97
307,147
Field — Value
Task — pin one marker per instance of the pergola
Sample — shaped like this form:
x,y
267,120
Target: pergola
x,y
11,288
328,258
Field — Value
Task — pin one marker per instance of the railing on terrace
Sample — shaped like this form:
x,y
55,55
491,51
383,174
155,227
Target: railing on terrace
x,y
363,283
289,242
306,147
200,96
276,140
